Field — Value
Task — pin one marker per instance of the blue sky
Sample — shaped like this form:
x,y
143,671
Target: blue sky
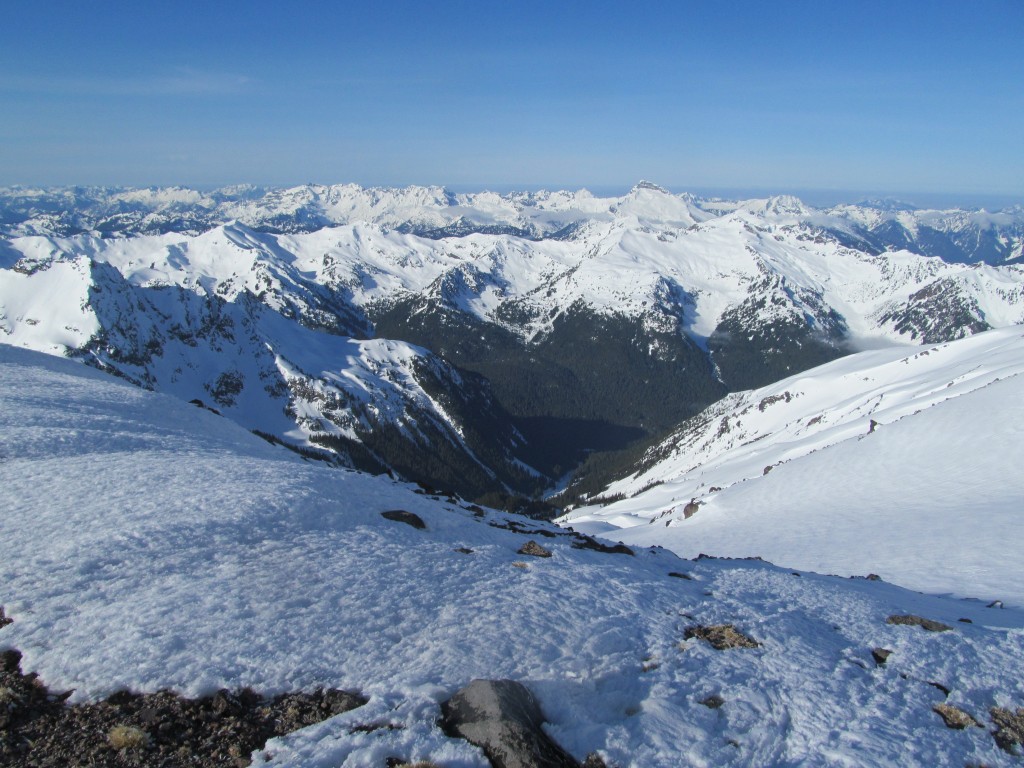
x,y
885,98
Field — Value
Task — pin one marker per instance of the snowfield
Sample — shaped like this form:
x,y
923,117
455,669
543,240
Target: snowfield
x,y
905,462
146,543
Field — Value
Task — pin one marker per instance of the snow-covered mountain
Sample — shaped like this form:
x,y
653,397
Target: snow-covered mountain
x,y
957,235
147,544
903,462
503,336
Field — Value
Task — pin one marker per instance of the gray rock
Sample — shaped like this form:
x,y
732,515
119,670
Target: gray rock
x,y
881,655
722,637
714,701
401,516
916,621
1009,733
954,717
505,721
533,548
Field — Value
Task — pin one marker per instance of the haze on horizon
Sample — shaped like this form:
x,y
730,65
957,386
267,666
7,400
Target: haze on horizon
x,y
918,101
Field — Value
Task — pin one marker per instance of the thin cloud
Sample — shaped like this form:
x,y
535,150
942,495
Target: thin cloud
x,y
181,82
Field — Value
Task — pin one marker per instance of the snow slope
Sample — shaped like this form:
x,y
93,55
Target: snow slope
x,y
145,543
902,462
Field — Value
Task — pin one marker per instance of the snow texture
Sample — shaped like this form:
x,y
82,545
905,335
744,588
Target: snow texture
x,y
901,462
146,543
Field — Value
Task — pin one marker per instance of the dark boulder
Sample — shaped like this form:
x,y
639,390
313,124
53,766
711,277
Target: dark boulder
x,y
401,516
504,720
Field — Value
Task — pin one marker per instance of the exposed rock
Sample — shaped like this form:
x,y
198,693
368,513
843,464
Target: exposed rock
x,y
504,720
1009,728
401,516
954,717
464,550
917,621
581,541
881,655
690,509
4,621
678,575
158,729
517,527
721,636
714,701
533,548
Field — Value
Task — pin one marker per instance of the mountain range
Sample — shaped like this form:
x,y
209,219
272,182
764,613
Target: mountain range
x,y
874,226
259,439
482,344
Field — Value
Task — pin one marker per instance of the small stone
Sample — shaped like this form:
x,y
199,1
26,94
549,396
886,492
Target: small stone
x,y
917,621
721,637
714,701
533,548
881,655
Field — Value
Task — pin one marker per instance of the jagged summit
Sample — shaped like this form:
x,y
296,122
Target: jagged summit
x,y
433,211
649,186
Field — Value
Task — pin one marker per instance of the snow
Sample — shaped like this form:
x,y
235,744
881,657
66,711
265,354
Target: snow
x,y
146,543
905,463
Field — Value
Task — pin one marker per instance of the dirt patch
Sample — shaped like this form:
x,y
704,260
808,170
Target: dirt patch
x,y
158,729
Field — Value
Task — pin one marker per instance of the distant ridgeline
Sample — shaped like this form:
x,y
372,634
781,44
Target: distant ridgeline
x,y
483,344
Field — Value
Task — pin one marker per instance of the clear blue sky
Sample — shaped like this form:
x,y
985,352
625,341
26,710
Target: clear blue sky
x,y
885,97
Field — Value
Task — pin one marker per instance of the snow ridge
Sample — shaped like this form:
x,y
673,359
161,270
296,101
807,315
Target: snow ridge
x,y
901,462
